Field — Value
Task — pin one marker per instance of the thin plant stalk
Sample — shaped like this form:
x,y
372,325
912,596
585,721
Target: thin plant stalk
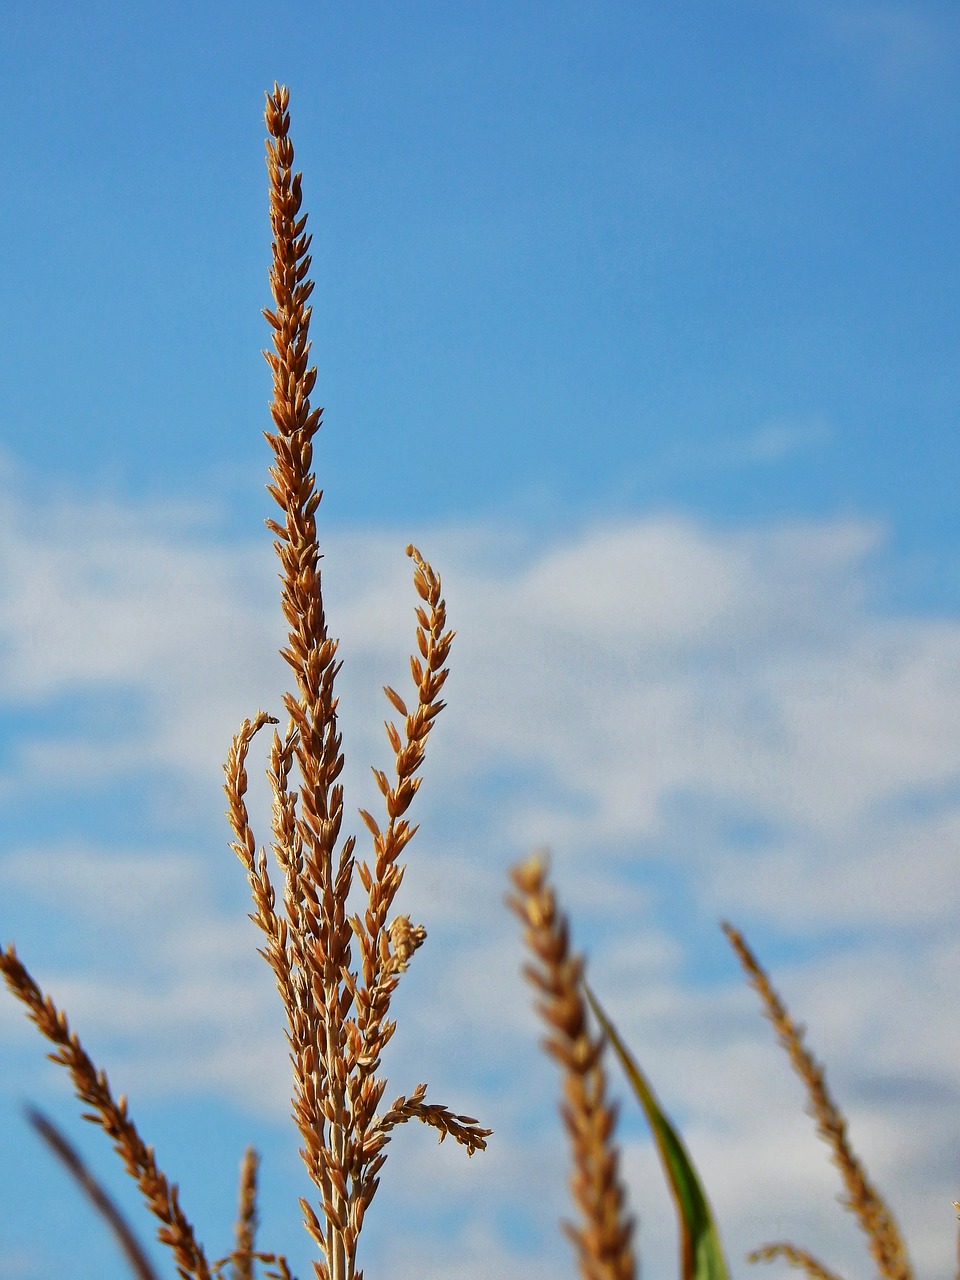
x,y
100,1199
862,1198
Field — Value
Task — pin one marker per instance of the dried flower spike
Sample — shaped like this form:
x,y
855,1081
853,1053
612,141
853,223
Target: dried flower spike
x,y
338,1018
603,1241
338,1021
862,1199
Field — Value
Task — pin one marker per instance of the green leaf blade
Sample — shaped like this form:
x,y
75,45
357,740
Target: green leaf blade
x,y
701,1252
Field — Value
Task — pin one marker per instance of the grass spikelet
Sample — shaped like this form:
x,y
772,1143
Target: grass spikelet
x,y
338,1020
92,1088
246,1229
603,1240
795,1257
862,1199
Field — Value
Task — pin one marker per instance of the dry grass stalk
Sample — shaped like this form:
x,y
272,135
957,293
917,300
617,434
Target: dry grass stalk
x,y
102,1202
603,1242
885,1242
93,1089
244,1254
795,1257
246,1228
338,1020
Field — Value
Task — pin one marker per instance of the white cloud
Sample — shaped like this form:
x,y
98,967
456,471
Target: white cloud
x,y
700,722
172,987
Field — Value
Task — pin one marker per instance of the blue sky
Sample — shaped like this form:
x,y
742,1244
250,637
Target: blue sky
x,y
642,321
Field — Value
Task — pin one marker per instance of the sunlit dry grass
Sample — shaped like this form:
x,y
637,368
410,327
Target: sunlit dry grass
x,y
337,1009
337,967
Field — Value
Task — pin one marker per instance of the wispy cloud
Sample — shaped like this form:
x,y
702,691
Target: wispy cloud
x,y
768,445
899,41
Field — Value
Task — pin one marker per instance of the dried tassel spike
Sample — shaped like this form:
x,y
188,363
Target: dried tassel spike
x,y
862,1199
603,1241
